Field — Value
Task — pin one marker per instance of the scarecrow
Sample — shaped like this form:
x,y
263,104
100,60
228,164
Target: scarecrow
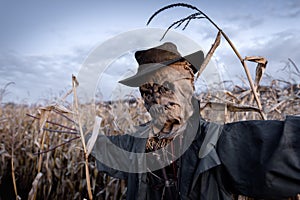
x,y
198,159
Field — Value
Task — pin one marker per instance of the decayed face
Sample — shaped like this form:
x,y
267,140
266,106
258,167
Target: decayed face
x,y
168,94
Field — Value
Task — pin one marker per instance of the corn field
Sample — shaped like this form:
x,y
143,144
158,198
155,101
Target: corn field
x,y
42,156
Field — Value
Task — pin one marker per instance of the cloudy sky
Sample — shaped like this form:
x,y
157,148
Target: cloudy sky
x,y
42,43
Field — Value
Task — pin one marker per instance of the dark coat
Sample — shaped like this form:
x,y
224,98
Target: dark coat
x,y
253,158
261,158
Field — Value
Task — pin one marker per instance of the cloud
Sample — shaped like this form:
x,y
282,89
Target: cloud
x,y
286,9
276,48
242,21
249,26
38,76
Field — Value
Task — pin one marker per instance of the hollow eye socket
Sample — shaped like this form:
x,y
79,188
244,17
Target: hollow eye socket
x,y
162,90
168,86
145,89
147,97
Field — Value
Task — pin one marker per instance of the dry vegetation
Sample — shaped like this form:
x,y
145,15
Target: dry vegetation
x,y
62,170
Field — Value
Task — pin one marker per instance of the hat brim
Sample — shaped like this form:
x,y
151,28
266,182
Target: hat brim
x,y
195,59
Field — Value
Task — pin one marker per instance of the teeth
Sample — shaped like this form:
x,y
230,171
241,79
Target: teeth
x,y
171,105
157,111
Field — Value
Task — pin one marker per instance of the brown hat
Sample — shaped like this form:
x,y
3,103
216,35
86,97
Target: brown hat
x,y
153,59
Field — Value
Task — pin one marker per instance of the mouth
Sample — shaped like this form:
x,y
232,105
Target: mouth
x,y
170,113
174,121
171,106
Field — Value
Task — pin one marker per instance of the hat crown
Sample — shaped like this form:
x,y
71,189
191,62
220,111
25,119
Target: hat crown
x,y
165,52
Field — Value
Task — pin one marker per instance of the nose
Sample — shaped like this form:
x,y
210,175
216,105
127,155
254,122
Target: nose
x,y
151,98
156,98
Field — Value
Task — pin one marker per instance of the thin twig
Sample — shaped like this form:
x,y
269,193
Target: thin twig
x,y
75,84
43,133
68,118
60,131
230,107
180,22
51,149
66,95
13,167
43,120
295,66
50,122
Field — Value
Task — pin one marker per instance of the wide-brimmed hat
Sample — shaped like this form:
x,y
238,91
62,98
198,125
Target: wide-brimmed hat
x,y
153,59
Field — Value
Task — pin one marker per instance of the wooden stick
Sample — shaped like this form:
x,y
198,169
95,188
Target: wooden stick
x,y
13,167
75,84
43,120
253,88
210,54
